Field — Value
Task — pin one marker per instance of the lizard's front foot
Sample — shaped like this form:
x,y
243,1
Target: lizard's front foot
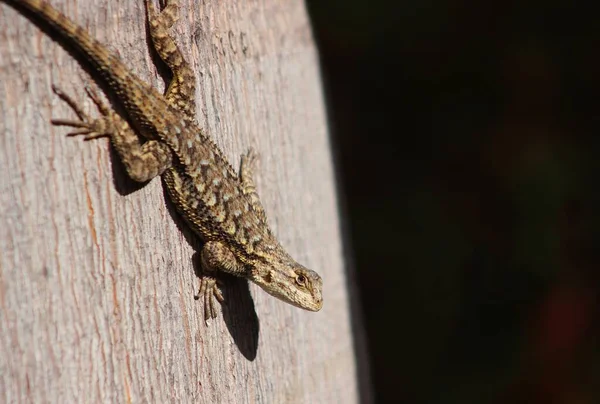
x,y
208,292
91,129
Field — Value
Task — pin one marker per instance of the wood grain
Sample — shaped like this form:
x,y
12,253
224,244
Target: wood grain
x,y
97,274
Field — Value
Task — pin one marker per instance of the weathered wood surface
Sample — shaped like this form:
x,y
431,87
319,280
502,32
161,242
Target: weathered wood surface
x,y
96,276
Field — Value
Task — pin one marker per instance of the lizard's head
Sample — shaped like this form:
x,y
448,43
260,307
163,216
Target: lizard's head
x,y
291,283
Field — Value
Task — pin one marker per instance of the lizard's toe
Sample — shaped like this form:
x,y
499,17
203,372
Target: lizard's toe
x,y
87,127
209,292
90,130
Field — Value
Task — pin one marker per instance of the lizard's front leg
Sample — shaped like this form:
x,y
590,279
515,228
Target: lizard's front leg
x,y
142,161
214,257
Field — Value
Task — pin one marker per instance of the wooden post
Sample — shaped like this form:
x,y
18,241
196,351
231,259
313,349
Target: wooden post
x,y
97,277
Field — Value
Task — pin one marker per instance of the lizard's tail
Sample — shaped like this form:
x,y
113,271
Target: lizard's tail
x,y
86,49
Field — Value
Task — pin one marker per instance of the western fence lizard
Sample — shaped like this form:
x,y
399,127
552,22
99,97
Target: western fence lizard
x,y
219,204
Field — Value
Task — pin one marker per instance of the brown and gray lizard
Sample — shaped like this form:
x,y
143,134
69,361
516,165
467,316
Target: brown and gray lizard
x,y
219,204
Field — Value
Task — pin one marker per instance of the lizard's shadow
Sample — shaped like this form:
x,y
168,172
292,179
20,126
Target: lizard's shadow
x,y
238,309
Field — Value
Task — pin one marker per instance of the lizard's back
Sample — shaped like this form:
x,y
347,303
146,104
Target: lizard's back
x,y
204,186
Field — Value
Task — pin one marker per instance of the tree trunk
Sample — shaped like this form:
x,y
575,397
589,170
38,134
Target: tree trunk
x,y
97,274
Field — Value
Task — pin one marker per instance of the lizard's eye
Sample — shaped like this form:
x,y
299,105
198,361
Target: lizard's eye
x,y
301,280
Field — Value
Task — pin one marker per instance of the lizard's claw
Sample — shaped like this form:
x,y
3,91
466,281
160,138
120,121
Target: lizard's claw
x,y
208,292
92,129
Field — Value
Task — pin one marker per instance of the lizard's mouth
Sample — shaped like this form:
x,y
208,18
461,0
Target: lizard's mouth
x,y
316,307
306,301
314,304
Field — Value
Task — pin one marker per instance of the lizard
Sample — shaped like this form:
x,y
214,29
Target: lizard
x,y
159,136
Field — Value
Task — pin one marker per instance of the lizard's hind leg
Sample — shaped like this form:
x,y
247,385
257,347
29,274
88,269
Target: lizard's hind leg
x,y
142,161
182,89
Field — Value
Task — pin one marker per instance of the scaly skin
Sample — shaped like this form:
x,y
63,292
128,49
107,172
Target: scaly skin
x,y
219,204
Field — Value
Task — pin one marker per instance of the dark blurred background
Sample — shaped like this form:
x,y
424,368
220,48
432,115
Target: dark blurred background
x,y
467,135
